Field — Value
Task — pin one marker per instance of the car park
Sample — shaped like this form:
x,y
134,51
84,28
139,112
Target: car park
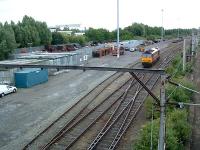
x,y
7,89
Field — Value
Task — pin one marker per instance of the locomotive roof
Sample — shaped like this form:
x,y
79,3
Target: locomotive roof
x,y
151,51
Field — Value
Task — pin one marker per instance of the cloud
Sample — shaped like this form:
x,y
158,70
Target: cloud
x,y
102,13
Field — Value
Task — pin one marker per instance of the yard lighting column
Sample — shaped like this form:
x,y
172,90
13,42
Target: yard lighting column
x,y
118,29
162,29
184,54
161,144
178,28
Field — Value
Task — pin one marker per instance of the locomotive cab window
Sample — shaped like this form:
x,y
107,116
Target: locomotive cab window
x,y
146,55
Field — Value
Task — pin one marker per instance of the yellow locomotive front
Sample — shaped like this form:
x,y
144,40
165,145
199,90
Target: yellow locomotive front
x,y
146,59
149,57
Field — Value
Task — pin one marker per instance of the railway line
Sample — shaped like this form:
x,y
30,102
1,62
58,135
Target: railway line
x,y
119,104
117,124
75,110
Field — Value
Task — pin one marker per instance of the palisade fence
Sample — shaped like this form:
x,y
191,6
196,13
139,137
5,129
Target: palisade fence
x,y
28,49
78,57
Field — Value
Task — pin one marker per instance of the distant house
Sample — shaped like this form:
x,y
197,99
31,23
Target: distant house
x,y
79,33
53,29
66,32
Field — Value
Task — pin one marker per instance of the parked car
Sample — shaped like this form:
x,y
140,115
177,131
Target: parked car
x,y
127,48
7,89
132,49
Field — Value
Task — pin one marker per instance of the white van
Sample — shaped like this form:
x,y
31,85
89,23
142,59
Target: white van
x,y
7,89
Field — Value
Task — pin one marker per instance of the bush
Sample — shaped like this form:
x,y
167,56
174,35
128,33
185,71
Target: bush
x,y
178,122
178,129
180,94
148,109
177,132
144,141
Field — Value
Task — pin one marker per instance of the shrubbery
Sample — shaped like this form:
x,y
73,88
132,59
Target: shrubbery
x,y
60,38
177,132
177,127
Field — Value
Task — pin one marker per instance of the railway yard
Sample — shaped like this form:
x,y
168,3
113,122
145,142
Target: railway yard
x,y
82,109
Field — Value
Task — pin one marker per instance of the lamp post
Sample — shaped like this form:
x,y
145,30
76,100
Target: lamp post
x,y
162,29
118,29
29,44
178,28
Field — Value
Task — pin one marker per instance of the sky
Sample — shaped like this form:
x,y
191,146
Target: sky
x,y
103,13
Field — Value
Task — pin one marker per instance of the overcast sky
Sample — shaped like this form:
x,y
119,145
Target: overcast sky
x,y
102,13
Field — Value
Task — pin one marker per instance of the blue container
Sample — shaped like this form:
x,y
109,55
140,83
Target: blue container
x,y
30,77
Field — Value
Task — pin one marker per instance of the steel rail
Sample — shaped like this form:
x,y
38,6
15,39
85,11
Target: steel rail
x,y
123,129
69,144
113,77
112,120
33,139
69,126
109,80
72,124
118,136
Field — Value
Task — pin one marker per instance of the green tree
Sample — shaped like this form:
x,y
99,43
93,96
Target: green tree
x,y
44,33
7,40
98,35
144,140
31,31
57,38
136,29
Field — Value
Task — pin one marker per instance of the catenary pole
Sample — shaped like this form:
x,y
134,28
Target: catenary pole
x,y
118,45
161,144
184,54
162,29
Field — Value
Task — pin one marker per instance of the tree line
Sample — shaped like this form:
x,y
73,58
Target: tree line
x,y
62,38
30,32
26,33
134,31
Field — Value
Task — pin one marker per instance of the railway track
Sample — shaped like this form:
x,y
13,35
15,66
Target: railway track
x,y
118,123
62,140
85,118
59,124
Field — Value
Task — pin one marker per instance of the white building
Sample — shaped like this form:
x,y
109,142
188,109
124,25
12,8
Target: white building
x,y
68,26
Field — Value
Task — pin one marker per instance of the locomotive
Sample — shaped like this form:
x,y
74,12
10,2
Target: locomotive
x,y
150,57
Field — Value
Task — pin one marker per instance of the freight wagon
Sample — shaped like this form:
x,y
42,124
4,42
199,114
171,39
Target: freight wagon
x,y
121,51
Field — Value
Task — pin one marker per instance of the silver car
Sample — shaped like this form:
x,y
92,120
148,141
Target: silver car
x,y
7,89
132,49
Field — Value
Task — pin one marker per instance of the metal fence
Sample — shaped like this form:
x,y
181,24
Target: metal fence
x,y
28,49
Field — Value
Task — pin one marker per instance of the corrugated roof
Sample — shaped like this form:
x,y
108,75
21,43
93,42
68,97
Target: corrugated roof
x,y
28,70
21,61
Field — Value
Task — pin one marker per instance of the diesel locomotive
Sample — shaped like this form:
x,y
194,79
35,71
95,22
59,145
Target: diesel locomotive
x,y
150,57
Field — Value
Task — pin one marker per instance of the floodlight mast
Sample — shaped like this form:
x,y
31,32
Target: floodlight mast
x,y
118,45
